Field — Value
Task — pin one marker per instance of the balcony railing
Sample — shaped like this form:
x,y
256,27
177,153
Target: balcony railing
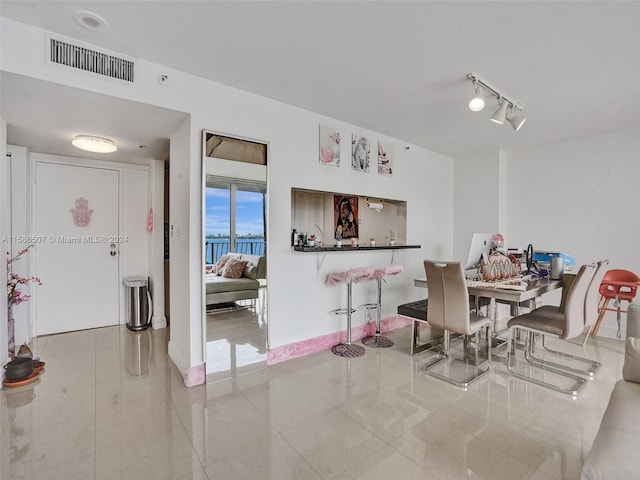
x,y
216,248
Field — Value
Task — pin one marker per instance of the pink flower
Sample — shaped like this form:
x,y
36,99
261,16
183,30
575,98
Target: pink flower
x,y
14,295
326,155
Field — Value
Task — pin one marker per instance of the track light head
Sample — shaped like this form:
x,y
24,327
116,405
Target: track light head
x,y
477,101
516,121
500,114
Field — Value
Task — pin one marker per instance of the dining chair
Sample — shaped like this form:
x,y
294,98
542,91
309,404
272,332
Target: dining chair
x,y
591,302
449,310
565,322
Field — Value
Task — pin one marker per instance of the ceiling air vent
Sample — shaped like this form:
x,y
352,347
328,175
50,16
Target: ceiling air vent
x,y
89,60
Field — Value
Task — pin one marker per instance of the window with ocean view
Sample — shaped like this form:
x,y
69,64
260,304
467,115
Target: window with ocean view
x,y
235,218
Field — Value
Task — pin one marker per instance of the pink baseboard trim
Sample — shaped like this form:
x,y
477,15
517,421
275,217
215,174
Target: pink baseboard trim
x,y
325,342
195,375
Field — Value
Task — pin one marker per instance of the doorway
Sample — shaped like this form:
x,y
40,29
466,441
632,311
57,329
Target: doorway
x,y
89,223
79,271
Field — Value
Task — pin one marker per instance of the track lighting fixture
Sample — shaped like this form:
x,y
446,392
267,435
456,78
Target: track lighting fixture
x,y
507,106
516,121
501,113
477,101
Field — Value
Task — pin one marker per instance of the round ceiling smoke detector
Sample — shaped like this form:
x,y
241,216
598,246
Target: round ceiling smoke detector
x,y
90,20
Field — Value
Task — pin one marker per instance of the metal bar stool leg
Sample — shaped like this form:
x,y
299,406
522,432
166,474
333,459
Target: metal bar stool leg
x,y
377,340
348,349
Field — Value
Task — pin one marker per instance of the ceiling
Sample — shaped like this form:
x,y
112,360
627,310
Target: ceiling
x,y
397,68
141,131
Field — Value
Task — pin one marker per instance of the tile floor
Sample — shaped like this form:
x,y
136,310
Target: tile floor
x,y
236,341
111,405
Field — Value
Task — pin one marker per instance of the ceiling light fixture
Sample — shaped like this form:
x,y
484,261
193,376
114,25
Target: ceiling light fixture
x,y
91,143
500,114
505,111
477,101
516,121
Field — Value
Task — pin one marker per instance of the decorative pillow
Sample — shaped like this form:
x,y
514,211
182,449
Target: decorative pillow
x,y
567,281
234,268
217,268
251,270
631,368
208,269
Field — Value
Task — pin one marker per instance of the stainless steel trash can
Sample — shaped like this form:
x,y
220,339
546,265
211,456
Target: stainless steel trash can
x,y
633,320
137,303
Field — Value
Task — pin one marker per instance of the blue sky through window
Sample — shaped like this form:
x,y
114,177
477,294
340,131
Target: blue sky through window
x,y
249,218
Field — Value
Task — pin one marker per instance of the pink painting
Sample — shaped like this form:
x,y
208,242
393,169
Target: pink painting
x,y
329,146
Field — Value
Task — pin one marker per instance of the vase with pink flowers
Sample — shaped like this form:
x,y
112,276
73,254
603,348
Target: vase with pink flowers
x,y
16,295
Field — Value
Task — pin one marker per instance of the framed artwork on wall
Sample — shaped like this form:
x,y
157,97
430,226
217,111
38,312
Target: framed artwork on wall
x,y
329,146
385,157
345,216
360,153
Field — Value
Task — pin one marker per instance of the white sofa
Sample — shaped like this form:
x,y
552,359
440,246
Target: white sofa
x,y
224,290
615,452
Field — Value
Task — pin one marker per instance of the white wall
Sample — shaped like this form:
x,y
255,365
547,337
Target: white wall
x,y
581,198
476,199
20,179
4,231
156,251
298,298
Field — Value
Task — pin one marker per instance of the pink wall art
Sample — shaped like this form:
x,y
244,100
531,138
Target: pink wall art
x,y
81,214
329,146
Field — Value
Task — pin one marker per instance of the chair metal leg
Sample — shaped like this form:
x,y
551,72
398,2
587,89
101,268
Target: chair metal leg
x,y
445,359
590,372
416,348
587,335
579,382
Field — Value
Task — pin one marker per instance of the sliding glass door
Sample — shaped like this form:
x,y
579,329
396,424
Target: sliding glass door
x,y
235,218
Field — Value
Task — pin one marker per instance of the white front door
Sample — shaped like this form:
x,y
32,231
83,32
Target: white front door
x,y
76,227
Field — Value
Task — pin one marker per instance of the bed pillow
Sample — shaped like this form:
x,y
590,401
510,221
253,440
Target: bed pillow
x,y
234,268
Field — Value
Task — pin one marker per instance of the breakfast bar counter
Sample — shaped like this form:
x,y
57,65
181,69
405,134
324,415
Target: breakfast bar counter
x,y
349,248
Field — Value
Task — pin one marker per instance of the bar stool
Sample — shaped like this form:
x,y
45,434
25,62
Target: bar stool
x,y
348,349
377,340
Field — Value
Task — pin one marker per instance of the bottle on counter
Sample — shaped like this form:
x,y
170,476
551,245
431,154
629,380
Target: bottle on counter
x,y
294,238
